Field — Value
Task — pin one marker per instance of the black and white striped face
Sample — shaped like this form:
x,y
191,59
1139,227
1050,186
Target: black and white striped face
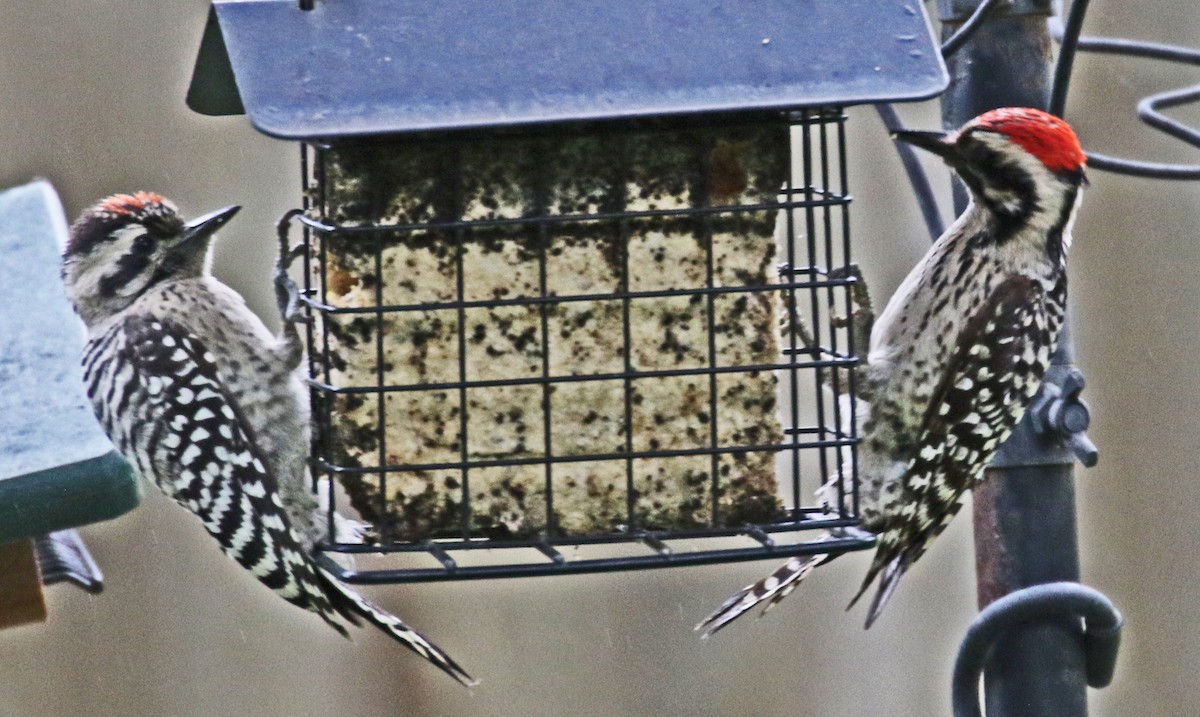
x,y
1013,183
1024,166
128,243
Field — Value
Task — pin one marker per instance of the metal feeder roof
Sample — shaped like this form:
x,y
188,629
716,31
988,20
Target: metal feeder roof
x,y
363,67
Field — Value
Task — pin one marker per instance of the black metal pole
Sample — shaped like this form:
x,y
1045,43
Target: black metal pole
x,y
1025,509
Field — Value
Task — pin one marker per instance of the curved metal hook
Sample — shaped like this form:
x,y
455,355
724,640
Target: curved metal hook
x,y
1101,634
917,179
982,14
1147,109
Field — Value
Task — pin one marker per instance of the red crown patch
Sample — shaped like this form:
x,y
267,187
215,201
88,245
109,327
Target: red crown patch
x,y
1043,135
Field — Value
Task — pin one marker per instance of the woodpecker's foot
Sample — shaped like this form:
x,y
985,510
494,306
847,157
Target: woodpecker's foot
x,y
287,297
288,254
790,322
287,294
862,312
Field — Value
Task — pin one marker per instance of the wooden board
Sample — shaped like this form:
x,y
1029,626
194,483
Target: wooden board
x,y
21,599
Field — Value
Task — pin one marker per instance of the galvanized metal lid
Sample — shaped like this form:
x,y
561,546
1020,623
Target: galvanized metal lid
x,y
362,67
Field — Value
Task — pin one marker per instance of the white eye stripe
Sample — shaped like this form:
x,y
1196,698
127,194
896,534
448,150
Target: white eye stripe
x,y
126,235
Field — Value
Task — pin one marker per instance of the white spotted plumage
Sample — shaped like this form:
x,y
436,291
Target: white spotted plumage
x,y
960,349
223,435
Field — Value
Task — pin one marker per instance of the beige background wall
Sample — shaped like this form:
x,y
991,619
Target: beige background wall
x,y
91,96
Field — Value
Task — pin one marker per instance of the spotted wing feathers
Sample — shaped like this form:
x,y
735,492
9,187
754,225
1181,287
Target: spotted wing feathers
x,y
193,443
998,363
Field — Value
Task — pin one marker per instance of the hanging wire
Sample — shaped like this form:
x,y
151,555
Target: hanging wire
x,y
917,177
916,174
1068,43
1147,109
981,15
1071,41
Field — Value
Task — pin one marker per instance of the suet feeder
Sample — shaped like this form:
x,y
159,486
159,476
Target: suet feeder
x,y
573,265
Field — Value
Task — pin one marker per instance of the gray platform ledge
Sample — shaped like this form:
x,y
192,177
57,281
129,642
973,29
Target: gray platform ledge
x,y
57,468
361,67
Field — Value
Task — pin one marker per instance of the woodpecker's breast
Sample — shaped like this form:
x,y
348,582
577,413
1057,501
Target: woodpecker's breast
x,y
915,337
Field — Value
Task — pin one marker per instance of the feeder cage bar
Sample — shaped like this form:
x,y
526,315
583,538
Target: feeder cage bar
x,y
702,392
797,232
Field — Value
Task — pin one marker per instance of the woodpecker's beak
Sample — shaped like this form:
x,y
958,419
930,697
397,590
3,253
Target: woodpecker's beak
x,y
203,227
940,143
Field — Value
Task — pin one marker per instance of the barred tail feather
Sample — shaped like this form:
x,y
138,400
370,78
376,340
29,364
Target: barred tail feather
x,y
354,606
888,582
889,579
771,590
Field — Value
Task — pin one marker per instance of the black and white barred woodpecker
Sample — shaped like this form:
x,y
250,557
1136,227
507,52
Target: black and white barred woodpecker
x,y
203,400
960,349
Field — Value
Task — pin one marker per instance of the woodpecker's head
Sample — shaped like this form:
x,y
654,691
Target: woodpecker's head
x,y
1021,164
128,243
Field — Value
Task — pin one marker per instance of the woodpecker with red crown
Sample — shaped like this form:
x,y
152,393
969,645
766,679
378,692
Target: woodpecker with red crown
x,y
960,349
200,398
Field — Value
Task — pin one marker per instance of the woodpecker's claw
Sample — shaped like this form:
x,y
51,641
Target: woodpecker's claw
x,y
287,297
862,314
287,294
293,254
287,252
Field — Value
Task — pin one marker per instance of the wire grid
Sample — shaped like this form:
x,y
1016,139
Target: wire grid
x,y
815,389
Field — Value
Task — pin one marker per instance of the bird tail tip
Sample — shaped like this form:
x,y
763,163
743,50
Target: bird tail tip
x,y
771,589
396,629
889,580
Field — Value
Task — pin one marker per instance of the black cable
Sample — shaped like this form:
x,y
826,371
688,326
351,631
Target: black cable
x,y
981,15
908,156
1069,39
1147,109
916,173
1130,48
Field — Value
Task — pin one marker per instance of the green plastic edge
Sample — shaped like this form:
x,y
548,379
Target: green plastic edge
x,y
68,496
213,90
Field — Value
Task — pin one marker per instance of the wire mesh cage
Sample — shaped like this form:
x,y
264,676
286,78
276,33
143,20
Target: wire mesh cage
x,y
582,296
623,342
